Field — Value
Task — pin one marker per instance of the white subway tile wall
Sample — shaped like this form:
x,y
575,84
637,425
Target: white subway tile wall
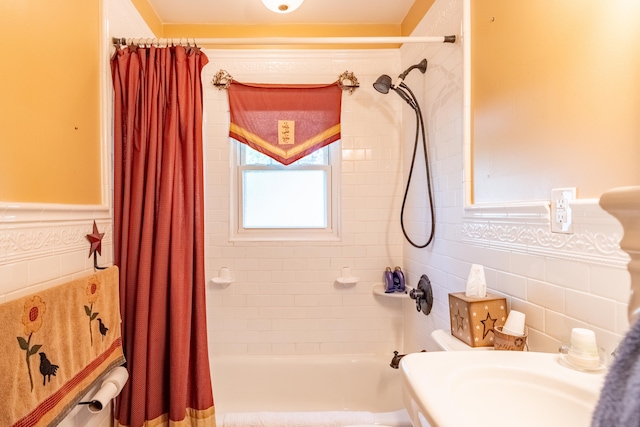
x,y
587,285
41,254
288,283
285,298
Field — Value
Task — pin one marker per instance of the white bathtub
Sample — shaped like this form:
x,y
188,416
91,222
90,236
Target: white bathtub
x,y
357,385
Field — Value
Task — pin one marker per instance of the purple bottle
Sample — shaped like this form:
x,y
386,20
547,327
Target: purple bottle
x,y
388,281
398,280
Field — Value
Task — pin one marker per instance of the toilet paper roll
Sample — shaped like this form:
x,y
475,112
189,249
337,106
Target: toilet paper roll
x,y
476,283
111,387
102,397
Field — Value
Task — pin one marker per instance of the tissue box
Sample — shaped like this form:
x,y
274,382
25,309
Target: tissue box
x,y
474,319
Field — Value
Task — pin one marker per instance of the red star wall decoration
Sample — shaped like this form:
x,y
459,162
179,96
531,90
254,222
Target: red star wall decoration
x,y
95,239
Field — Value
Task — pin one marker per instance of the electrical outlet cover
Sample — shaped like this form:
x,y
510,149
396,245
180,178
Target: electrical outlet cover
x,y
560,215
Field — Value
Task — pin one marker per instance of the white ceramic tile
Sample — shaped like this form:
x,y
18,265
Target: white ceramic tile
x,y
259,348
307,348
546,295
43,269
622,318
608,341
569,274
13,277
512,284
558,326
610,282
283,348
594,310
528,265
234,300
534,314
538,341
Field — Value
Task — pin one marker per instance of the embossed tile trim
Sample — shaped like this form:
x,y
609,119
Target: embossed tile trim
x,y
30,231
525,228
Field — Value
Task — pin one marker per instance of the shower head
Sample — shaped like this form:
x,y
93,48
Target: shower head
x,y
422,66
383,84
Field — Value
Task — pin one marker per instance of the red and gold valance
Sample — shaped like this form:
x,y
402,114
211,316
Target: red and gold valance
x,y
285,122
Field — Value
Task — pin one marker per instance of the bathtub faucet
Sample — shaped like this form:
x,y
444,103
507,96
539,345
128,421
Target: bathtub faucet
x,y
395,361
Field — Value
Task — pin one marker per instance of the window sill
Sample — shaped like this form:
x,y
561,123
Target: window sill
x,y
284,236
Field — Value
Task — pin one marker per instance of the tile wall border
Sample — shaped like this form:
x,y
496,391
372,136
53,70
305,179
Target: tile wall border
x,y
525,228
30,231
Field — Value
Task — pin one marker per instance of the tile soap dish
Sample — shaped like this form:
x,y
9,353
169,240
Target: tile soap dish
x,y
224,279
346,279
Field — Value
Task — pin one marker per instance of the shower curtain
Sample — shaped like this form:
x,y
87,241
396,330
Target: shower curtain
x,y
158,236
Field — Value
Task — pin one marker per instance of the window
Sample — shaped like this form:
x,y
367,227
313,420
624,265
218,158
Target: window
x,y
271,201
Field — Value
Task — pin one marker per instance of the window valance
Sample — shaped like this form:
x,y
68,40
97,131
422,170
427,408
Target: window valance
x,y
285,122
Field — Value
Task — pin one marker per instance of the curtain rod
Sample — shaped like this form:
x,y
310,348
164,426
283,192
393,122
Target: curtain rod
x,y
287,40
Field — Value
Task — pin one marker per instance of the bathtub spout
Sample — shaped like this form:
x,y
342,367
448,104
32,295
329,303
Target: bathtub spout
x,y
395,361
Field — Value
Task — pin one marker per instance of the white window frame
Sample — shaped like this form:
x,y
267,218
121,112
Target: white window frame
x,y
330,233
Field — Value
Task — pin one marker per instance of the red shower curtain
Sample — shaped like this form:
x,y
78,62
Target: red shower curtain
x,y
158,236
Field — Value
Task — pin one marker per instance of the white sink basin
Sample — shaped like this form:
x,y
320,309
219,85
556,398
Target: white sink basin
x,y
497,388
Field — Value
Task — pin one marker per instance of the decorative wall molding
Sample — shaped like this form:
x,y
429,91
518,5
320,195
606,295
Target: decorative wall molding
x,y
32,241
31,231
525,229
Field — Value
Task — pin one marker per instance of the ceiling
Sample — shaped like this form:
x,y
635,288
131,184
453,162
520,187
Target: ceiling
x,y
253,12
207,20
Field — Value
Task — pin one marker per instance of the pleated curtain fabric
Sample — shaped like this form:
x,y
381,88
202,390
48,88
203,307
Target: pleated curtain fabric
x,y
158,236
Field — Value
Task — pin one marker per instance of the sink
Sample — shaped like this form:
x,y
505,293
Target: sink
x,y
497,388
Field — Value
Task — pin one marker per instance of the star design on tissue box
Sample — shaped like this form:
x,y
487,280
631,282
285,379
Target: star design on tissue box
x,y
488,324
459,321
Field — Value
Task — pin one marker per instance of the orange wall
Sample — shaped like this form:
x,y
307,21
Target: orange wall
x,y
555,97
50,102
415,15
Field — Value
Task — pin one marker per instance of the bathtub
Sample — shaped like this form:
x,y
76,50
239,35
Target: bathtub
x,y
329,386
